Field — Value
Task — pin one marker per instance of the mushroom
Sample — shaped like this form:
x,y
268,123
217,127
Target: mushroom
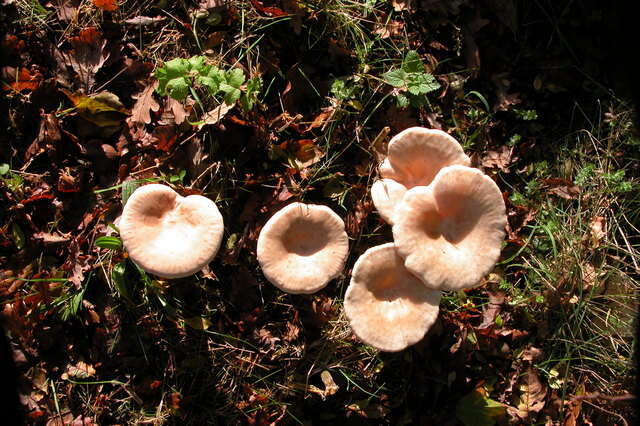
x,y
414,157
388,307
450,233
302,247
169,235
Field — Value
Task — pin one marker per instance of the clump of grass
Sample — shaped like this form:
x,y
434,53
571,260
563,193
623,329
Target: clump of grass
x,y
578,280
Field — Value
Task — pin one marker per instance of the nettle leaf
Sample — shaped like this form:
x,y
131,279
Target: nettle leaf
x,y
396,78
231,94
212,85
175,68
412,62
178,88
341,89
212,77
402,101
422,83
196,63
235,77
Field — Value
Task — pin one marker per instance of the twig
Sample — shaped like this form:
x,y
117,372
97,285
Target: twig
x,y
598,395
608,412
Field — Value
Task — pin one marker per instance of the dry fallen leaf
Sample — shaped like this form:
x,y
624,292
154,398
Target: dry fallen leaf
x,y
330,386
500,159
67,9
142,21
81,370
389,28
266,338
25,80
492,309
164,137
531,398
598,230
144,104
88,55
562,188
106,5
215,115
292,332
400,5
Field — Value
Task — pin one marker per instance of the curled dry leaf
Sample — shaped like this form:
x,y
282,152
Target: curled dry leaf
x,y
598,230
142,21
215,115
492,309
499,159
531,398
562,188
81,370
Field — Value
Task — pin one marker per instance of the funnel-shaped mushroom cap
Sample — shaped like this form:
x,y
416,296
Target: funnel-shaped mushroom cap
x,y
414,157
387,306
450,233
169,235
302,247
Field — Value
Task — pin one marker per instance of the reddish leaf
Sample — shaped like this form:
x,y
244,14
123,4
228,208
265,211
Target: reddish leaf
x,y
268,10
37,197
165,137
25,81
12,44
107,5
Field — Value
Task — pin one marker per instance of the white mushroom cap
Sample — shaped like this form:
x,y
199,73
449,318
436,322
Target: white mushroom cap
x,y
302,247
414,157
450,233
388,307
169,235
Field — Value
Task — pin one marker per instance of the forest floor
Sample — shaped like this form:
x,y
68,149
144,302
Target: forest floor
x,y
94,105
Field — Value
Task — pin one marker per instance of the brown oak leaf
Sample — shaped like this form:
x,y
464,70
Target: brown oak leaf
x,y
141,112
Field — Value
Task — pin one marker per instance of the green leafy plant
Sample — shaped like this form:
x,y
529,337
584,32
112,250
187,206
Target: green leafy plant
x,y
348,90
411,81
180,77
526,114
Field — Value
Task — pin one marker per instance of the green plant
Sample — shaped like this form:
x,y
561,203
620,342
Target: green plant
x,y
526,114
411,81
179,77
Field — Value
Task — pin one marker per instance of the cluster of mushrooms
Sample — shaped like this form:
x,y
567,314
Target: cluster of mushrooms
x,y
448,224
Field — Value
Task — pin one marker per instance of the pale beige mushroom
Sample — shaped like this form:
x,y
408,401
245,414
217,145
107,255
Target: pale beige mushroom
x,y
414,157
302,247
450,233
388,307
169,235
